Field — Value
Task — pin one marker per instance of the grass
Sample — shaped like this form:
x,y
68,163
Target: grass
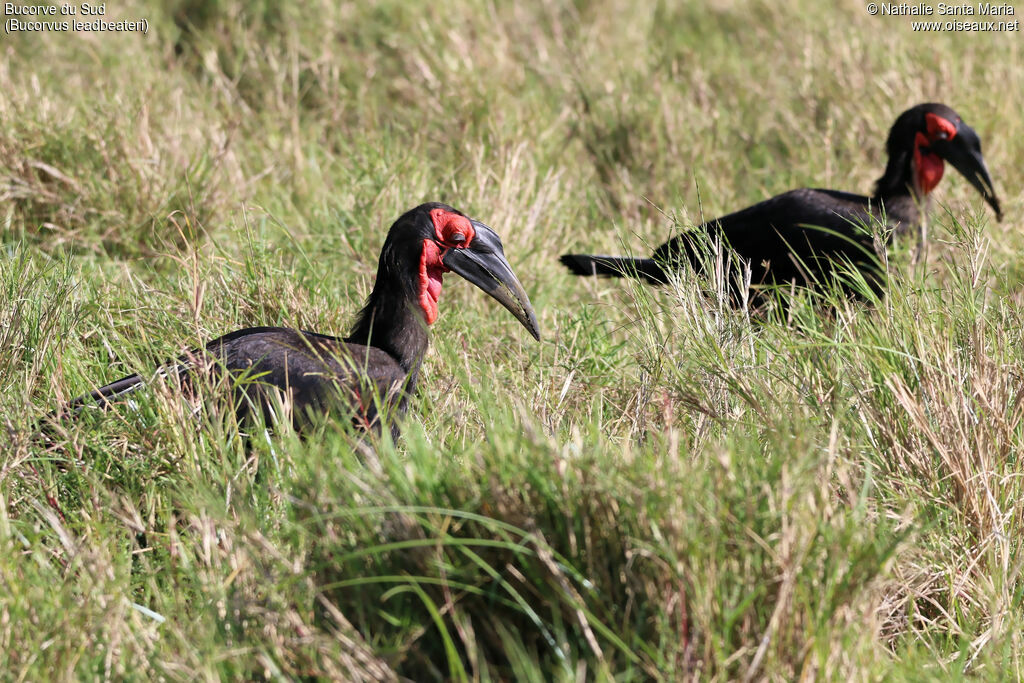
x,y
663,488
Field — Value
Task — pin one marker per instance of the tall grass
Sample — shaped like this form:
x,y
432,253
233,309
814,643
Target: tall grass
x,y
666,487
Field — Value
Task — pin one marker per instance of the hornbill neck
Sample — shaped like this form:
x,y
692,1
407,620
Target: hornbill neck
x,y
898,179
899,193
392,319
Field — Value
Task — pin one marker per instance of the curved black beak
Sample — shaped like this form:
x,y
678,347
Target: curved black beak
x,y
483,263
964,153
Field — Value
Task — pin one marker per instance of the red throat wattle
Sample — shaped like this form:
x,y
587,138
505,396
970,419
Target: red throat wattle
x,y
431,270
929,166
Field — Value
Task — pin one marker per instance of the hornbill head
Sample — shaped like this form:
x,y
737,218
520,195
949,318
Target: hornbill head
x,y
938,134
441,239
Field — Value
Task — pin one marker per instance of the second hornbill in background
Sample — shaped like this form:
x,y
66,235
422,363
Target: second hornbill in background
x,y
800,235
377,364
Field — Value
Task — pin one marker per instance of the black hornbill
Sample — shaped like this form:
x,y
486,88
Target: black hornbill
x,y
801,234
377,364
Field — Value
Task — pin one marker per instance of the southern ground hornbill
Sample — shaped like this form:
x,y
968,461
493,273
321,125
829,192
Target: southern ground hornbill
x,y
377,364
800,235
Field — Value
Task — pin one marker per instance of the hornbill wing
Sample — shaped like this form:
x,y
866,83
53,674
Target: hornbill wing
x,y
314,372
796,236
785,236
311,371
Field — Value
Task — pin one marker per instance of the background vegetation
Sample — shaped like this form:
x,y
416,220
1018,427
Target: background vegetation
x,y
662,488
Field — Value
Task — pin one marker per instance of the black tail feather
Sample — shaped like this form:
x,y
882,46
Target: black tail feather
x,y
615,266
107,395
103,396
47,429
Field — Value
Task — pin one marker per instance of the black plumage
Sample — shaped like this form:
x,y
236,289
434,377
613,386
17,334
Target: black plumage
x,y
802,234
377,365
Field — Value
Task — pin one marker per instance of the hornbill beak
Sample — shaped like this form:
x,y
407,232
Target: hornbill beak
x,y
964,152
483,263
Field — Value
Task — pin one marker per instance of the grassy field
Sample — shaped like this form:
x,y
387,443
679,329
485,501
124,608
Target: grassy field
x,y
663,488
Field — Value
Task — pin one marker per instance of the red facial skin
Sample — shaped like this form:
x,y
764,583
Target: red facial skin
x,y
454,231
930,166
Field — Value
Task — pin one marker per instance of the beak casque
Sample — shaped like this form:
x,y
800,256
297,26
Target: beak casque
x,y
484,264
964,153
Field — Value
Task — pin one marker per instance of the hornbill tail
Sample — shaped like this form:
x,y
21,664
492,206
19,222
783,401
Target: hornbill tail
x,y
105,394
615,266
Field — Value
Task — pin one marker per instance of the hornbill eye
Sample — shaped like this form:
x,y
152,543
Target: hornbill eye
x,y
451,228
